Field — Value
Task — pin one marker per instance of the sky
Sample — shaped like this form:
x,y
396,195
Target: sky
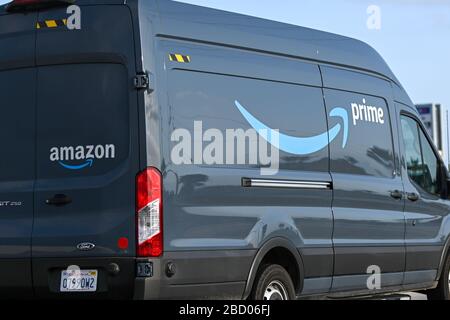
x,y
414,35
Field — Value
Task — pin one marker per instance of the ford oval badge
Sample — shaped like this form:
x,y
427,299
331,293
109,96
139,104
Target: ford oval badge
x,y
85,246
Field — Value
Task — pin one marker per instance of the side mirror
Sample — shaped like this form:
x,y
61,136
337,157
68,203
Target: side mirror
x,y
446,193
445,182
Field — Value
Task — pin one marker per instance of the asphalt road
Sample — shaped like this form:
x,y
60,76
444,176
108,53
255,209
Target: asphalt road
x,y
407,296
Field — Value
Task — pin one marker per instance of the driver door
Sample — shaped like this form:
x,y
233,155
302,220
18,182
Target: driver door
x,y
424,179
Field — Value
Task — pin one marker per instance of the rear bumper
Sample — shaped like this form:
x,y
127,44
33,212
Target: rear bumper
x,y
198,275
47,277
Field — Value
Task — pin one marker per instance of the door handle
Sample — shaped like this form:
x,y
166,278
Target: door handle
x,y
396,194
413,197
59,200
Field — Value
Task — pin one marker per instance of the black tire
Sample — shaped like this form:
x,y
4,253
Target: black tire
x,y
273,281
442,291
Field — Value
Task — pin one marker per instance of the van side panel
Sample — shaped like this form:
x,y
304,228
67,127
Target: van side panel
x,y
206,206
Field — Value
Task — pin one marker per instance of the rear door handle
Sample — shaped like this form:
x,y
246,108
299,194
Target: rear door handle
x,y
413,197
59,200
397,194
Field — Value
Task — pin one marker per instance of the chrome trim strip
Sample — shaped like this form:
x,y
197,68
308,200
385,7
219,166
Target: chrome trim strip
x,y
264,183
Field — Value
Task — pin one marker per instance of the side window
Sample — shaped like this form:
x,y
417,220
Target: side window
x,y
431,170
422,163
413,153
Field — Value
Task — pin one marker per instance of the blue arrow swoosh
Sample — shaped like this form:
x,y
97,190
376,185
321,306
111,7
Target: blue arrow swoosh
x,y
299,145
88,163
342,113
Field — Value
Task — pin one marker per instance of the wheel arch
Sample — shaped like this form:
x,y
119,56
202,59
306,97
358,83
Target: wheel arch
x,y
445,253
266,248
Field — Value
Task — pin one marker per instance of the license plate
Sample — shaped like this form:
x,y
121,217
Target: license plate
x,y
79,281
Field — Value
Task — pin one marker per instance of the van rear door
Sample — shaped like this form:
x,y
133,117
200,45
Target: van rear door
x,y
87,156
17,161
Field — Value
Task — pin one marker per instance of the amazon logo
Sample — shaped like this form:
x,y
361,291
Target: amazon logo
x,y
81,157
257,146
300,145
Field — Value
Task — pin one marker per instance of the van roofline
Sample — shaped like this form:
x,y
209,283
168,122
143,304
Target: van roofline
x,y
189,22
3,7
177,20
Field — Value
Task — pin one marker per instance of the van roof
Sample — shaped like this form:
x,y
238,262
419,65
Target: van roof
x,y
191,22
78,2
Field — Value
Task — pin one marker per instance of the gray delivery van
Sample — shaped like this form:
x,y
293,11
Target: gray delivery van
x,y
158,150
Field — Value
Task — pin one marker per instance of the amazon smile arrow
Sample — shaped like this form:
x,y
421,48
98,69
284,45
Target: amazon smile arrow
x,y
88,163
299,145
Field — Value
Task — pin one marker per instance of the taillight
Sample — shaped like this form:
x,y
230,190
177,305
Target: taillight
x,y
34,4
149,213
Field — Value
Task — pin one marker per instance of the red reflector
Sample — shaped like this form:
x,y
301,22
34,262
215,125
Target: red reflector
x,y
123,243
152,247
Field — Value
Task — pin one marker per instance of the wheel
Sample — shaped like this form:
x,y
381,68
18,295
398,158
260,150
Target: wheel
x,y
273,283
442,291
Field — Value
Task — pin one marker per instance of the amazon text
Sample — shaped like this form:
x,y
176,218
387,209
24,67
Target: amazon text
x,y
362,112
71,153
